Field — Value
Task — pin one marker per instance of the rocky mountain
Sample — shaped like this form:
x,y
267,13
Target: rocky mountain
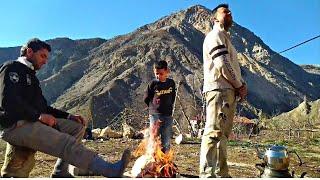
x,y
9,53
101,78
65,53
315,69
305,116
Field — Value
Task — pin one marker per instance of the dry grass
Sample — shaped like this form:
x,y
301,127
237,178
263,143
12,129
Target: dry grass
x,y
242,157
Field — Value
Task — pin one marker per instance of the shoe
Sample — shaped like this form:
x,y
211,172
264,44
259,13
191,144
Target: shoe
x,y
207,176
68,175
224,176
112,170
125,159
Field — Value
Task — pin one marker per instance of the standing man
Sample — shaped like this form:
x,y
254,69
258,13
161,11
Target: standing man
x,y
222,83
28,124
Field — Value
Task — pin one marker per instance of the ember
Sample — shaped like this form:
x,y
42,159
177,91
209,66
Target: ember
x,y
152,161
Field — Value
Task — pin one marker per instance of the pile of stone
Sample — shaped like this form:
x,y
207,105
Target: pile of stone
x,y
126,132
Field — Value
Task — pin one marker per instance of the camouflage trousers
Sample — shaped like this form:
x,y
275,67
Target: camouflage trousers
x,y
25,138
18,162
220,110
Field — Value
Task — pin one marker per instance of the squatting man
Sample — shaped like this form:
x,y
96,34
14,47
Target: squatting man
x,y
28,124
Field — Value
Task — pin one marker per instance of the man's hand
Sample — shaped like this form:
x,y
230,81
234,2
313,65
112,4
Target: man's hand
x,y
78,119
242,92
48,120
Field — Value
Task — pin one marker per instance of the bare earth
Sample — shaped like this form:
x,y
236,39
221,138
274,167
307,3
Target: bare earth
x,y
242,157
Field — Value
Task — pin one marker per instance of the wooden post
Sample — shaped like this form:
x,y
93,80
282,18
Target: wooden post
x,y
290,133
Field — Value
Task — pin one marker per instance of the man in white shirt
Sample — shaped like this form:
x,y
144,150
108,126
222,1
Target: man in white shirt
x,y
222,84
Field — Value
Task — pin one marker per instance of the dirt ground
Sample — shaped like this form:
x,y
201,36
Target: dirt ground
x,y
242,157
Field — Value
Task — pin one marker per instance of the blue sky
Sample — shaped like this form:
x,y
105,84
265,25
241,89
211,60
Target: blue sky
x,y
279,23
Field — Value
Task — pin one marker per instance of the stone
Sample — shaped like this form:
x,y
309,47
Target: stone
x,y
128,131
109,133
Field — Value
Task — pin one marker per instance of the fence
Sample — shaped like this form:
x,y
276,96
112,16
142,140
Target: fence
x,y
301,133
242,132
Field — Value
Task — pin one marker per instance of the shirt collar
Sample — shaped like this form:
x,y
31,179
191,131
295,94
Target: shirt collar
x,y
218,26
24,61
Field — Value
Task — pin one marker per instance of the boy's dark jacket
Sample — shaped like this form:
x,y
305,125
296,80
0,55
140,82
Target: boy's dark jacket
x,y
160,97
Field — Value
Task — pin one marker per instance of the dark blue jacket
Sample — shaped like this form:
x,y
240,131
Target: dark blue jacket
x,y
21,96
160,97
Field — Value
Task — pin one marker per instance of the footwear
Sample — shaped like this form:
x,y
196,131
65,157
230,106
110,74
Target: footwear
x,y
112,170
61,170
224,176
207,176
68,175
125,159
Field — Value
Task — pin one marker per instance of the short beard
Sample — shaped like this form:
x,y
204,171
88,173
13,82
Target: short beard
x,y
227,25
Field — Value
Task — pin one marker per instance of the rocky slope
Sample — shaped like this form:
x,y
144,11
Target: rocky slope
x,y
305,116
315,69
100,79
60,72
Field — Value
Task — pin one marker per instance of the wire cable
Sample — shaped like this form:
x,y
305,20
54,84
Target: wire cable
x,y
299,44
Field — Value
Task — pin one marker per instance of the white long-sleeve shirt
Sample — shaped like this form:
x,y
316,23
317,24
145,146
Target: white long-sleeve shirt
x,y
220,64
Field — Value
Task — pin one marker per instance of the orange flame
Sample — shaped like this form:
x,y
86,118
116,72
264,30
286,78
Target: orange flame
x,y
141,149
163,165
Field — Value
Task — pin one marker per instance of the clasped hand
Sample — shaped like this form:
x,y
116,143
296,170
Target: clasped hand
x,y
242,92
51,121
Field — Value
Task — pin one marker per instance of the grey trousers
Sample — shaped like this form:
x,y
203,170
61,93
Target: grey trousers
x,y
221,106
63,142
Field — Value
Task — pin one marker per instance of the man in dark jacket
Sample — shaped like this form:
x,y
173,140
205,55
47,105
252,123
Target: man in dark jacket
x,y
28,124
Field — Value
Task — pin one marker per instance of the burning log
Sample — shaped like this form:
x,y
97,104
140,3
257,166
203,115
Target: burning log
x,y
156,164
158,169
152,161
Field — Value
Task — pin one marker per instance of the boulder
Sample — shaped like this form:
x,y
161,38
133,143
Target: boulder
x,y
128,131
109,133
180,139
96,132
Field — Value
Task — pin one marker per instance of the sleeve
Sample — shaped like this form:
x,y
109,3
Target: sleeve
x,y
11,100
57,113
174,92
218,52
49,110
148,94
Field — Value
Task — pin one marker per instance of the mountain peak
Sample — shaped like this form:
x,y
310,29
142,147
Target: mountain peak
x,y
99,78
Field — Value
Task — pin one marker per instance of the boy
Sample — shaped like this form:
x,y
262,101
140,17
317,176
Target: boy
x,y
159,97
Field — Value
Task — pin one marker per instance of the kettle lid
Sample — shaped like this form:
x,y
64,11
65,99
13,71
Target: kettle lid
x,y
277,148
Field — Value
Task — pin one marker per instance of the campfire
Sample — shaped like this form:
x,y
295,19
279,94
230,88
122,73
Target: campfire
x,y
152,162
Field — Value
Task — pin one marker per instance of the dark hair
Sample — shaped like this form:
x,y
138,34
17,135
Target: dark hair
x,y
219,6
160,65
35,44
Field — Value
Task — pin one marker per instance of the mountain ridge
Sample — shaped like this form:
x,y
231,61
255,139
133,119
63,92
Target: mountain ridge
x,y
103,77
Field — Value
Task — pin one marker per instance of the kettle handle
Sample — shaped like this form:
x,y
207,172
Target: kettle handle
x,y
259,153
293,151
260,167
